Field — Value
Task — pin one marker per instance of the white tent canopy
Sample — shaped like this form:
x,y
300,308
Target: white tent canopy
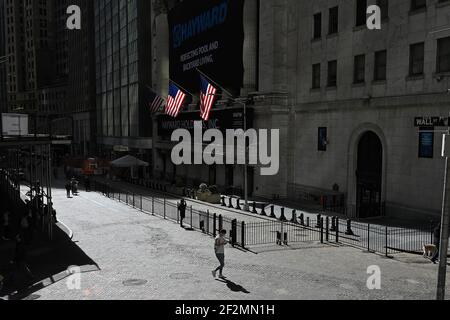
x,y
128,162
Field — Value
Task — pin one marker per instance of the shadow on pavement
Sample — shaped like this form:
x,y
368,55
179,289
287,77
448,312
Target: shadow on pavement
x,y
48,261
233,286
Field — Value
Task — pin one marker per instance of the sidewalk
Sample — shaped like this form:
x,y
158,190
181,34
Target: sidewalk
x,y
141,256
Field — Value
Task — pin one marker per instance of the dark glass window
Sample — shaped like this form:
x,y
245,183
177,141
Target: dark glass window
x,y
322,139
443,55
361,12
380,65
426,142
333,20
416,59
317,26
332,73
316,76
359,69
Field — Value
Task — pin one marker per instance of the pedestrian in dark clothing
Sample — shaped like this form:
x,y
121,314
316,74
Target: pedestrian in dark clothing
x,y
74,187
87,184
68,188
436,242
20,256
182,210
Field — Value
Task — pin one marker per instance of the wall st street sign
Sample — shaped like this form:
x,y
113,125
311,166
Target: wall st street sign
x,y
431,122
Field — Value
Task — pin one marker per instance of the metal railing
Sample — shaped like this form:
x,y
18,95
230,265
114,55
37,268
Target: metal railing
x,y
371,238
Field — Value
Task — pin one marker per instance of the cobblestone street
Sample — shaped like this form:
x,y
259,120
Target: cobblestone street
x,y
146,257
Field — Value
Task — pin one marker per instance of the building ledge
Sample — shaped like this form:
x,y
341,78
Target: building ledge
x,y
415,77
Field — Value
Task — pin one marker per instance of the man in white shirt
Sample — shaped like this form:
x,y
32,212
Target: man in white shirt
x,y
219,248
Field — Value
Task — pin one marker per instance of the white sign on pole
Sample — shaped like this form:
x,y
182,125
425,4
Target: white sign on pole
x,y
14,124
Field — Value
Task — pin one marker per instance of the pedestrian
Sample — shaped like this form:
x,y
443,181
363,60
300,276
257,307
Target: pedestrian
x,y
5,226
87,183
24,226
55,220
219,248
74,187
20,257
68,188
182,210
436,242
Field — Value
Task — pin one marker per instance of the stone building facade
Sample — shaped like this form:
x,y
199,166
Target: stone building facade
x,y
344,98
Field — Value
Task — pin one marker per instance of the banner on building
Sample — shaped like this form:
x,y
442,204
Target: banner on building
x,y
220,119
207,35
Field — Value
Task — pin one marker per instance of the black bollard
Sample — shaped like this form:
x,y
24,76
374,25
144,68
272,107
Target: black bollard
x,y
294,217
307,221
333,224
272,212
279,238
282,217
263,211
230,202
254,208
285,239
238,204
223,201
349,231
302,219
319,216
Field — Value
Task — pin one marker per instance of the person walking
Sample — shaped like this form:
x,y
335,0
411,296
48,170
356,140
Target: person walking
x,y
219,248
68,188
182,210
87,183
436,242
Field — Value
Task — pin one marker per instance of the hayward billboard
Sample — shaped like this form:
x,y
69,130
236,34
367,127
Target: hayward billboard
x,y
207,35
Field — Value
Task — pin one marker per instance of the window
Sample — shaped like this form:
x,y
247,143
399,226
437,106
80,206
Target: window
x,y
384,6
359,69
317,26
316,76
322,140
332,73
418,4
443,55
380,65
361,12
416,59
426,142
333,20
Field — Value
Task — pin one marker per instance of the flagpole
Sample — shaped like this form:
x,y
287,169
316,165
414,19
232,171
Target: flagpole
x,y
221,87
188,92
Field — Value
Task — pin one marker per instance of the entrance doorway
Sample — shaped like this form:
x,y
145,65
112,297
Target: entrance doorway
x,y
369,176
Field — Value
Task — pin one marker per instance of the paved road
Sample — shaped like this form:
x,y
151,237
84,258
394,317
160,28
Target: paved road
x,y
176,264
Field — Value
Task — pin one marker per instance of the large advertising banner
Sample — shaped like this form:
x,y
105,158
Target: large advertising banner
x,y
207,35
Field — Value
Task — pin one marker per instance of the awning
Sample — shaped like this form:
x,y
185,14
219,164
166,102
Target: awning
x,y
128,162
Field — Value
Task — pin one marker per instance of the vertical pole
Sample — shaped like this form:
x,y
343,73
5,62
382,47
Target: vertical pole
x,y
368,237
192,227
164,206
243,234
49,189
141,201
445,224
153,205
321,230
215,224
327,224
337,230
386,240
246,161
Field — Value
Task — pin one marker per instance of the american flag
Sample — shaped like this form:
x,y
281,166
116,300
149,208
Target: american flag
x,y
154,101
207,97
175,100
